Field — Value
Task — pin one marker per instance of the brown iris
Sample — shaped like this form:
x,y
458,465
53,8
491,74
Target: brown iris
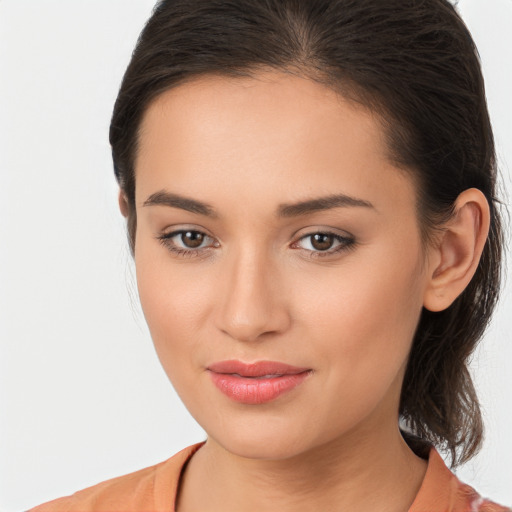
x,y
322,241
192,239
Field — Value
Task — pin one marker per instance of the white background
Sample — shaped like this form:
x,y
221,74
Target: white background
x,y
82,394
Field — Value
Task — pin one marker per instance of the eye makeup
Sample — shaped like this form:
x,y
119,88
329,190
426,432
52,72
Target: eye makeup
x,y
336,242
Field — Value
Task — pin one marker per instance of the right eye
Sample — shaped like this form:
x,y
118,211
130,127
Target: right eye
x,y
186,242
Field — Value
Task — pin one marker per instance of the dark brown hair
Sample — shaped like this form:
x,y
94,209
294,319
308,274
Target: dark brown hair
x,y
415,64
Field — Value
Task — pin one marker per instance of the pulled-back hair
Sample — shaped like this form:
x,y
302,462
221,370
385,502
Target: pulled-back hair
x,y
414,63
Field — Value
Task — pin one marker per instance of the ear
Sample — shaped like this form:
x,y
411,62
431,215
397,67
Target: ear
x,y
123,203
455,258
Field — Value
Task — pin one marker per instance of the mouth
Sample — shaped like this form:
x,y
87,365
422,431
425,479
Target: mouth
x,y
256,383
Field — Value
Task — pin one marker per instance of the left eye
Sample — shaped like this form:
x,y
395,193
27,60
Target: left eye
x,y
323,242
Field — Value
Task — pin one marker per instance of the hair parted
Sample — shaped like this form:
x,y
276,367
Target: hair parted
x,y
414,63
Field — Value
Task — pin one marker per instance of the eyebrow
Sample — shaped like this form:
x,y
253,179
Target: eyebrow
x,y
164,198
321,203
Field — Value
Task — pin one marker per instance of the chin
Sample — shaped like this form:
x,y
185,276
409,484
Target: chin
x,y
260,447
263,438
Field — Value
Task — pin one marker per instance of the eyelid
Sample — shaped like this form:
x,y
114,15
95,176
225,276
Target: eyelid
x,y
178,232
166,240
313,230
346,241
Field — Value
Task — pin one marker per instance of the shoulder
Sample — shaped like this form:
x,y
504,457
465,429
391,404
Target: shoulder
x,y
476,503
442,490
152,488
133,487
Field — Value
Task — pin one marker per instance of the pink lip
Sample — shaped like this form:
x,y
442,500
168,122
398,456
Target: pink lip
x,y
256,383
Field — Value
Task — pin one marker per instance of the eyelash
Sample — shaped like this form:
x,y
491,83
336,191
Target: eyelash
x,y
345,244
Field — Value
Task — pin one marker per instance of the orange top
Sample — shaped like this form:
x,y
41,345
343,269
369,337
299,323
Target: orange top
x,y
153,489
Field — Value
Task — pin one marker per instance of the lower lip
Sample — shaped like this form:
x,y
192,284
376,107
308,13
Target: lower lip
x,y
247,390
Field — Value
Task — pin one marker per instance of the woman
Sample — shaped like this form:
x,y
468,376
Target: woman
x,y
309,188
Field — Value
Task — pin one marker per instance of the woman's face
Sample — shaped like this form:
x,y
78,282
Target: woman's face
x,y
240,258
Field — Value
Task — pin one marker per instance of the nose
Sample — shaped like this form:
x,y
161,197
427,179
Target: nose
x,y
251,302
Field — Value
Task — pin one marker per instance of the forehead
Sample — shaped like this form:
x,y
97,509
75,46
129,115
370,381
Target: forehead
x,y
275,134
272,100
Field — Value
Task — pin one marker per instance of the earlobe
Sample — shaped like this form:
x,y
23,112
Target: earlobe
x,y
459,250
123,203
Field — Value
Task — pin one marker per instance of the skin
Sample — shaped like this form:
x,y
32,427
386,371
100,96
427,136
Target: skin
x,y
259,290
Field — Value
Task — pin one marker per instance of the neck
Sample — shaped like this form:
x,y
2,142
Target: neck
x,y
367,471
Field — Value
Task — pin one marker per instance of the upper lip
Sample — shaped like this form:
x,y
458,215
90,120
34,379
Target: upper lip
x,y
256,369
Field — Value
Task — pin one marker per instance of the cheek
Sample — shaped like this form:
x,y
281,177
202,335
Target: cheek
x,y
171,302
364,324
359,328
174,302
